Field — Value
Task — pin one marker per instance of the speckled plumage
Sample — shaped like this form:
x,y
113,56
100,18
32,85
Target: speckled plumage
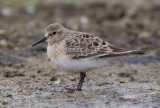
x,y
78,51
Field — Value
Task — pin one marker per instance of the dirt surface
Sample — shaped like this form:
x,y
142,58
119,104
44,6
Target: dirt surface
x,y
29,79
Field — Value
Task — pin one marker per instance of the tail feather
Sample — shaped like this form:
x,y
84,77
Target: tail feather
x,y
136,52
129,52
120,51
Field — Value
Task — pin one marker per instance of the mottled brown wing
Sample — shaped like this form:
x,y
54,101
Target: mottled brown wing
x,y
87,46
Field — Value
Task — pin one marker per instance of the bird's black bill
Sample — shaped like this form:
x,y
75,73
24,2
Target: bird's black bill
x,y
40,41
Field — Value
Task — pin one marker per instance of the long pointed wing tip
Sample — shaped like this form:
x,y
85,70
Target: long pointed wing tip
x,y
141,52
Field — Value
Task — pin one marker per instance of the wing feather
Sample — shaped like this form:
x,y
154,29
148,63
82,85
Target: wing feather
x,y
87,46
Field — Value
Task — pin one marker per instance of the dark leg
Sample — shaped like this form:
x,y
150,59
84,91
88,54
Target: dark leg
x,y
82,76
79,87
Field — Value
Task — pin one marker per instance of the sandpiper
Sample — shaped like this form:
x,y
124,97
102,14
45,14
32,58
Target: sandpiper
x,y
78,51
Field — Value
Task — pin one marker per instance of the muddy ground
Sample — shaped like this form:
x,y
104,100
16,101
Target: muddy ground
x,y
29,79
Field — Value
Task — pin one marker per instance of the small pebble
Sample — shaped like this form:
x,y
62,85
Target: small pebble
x,y
6,12
39,71
84,93
9,95
5,102
2,32
8,74
107,103
72,78
57,82
33,76
121,81
53,78
3,43
30,9
154,93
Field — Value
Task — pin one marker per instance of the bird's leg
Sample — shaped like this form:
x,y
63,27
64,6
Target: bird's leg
x,y
82,76
79,87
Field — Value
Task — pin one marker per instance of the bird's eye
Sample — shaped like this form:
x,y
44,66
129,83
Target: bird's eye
x,y
54,32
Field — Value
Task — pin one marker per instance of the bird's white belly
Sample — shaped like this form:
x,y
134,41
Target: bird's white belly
x,y
67,63
78,65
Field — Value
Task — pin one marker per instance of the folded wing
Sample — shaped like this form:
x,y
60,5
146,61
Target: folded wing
x,y
87,46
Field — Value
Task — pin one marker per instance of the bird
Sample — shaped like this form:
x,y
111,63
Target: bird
x,y
79,52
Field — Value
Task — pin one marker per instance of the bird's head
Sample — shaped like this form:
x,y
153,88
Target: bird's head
x,y
53,34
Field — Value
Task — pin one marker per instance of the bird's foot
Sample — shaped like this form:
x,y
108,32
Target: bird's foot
x,y
72,90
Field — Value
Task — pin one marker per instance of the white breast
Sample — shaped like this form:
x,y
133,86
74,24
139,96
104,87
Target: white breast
x,y
78,65
69,64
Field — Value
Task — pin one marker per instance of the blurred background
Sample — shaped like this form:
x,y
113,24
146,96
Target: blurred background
x,y
28,77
